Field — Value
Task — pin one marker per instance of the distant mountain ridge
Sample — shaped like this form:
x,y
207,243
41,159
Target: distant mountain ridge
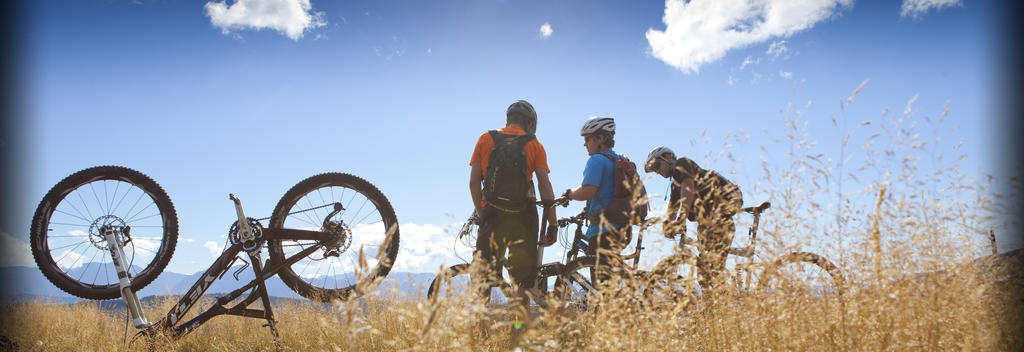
x,y
28,283
22,283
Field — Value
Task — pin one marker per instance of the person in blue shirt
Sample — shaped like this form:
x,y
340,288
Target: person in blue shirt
x,y
598,185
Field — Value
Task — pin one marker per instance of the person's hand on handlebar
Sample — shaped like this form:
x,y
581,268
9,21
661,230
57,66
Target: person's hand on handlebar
x,y
550,236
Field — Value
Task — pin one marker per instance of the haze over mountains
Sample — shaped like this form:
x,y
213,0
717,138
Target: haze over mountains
x,y
28,283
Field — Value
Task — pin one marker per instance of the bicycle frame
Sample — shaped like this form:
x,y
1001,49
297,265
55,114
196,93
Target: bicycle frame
x,y
251,241
745,252
578,245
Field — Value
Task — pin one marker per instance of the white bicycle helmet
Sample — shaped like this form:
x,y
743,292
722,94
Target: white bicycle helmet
x,y
598,123
656,153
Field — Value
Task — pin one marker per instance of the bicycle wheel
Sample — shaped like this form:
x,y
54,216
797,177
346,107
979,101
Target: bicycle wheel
x,y
806,280
803,276
67,230
455,281
546,283
365,222
450,281
575,286
675,279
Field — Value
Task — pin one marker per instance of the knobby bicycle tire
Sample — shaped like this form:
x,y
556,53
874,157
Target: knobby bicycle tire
x,y
458,274
64,221
576,284
375,232
771,272
675,277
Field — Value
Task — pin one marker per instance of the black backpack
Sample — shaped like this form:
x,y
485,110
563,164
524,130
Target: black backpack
x,y
629,200
506,184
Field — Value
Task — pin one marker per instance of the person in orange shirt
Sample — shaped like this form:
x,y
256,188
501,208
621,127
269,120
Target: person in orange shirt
x,y
501,186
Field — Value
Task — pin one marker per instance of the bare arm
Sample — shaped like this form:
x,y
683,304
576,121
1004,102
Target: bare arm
x,y
546,193
476,178
582,193
686,197
676,214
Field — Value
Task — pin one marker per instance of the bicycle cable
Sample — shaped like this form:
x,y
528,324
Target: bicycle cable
x,y
563,241
265,245
467,239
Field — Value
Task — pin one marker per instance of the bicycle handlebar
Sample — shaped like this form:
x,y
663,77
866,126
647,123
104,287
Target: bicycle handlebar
x,y
758,209
577,219
474,218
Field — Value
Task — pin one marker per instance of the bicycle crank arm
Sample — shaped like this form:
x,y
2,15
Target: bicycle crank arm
x,y
244,230
124,281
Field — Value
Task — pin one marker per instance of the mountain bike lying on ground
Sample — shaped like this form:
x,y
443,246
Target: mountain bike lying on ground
x,y
320,229
676,275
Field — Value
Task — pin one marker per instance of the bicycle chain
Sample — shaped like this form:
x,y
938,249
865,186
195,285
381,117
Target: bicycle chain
x,y
300,211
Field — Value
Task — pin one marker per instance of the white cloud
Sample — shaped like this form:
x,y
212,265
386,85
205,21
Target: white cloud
x,y
777,48
749,61
545,30
14,252
786,74
702,31
289,17
68,260
917,8
421,244
214,247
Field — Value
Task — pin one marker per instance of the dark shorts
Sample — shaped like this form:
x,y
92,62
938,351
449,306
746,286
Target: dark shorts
x,y
515,232
714,239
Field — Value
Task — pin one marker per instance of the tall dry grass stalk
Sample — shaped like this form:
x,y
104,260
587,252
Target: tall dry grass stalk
x,y
892,209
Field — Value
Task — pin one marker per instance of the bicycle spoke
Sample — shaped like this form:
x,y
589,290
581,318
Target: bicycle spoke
x,y
136,203
315,216
132,217
143,218
67,224
98,202
73,244
119,202
359,211
110,203
106,197
97,275
72,215
89,263
84,205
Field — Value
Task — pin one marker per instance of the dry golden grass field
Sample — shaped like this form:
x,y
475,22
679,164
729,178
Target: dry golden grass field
x,y
964,310
907,238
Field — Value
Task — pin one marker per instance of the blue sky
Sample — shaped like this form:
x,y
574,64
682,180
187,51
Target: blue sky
x,y
397,92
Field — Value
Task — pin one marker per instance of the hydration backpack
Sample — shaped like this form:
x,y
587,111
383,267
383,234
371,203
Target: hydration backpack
x,y
629,200
506,184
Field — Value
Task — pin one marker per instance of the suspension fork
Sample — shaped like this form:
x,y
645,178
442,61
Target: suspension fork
x,y
131,299
752,233
639,247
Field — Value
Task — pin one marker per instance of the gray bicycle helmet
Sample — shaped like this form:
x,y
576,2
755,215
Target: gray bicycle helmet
x,y
656,153
524,111
597,124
